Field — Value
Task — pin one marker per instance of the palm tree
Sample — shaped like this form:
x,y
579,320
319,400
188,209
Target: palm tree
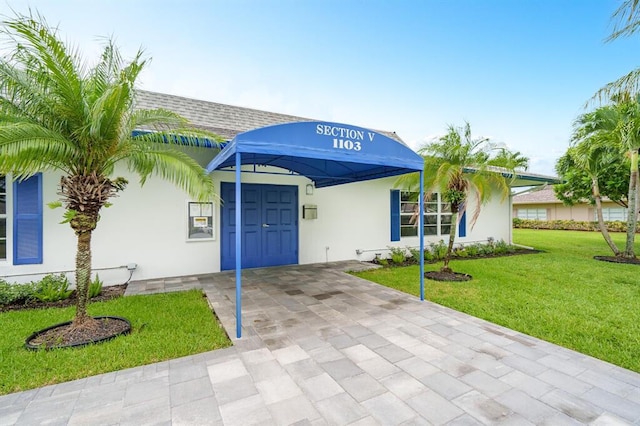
x,y
457,165
591,153
510,160
628,129
56,114
618,125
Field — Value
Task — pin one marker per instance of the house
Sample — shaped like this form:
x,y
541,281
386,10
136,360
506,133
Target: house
x,y
314,207
544,205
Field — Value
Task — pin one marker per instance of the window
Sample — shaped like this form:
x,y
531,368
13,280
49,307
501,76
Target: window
x,y
611,214
437,215
200,220
3,218
532,214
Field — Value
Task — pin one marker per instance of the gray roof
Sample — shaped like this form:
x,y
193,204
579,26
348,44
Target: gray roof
x,y
221,119
543,196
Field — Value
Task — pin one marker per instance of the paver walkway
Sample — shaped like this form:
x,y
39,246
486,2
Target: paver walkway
x,y
322,347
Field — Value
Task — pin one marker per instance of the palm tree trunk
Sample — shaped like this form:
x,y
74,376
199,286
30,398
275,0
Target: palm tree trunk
x,y
83,276
452,236
632,215
603,228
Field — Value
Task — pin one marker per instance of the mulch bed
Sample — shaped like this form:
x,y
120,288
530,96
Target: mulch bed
x,y
107,293
65,335
447,276
615,259
517,252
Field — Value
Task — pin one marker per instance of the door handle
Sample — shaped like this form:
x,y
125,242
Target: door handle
x,y
265,225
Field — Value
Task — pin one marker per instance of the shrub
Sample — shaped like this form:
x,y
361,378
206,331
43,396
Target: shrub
x,y
414,254
473,249
460,252
486,249
501,247
95,287
52,288
428,256
439,250
568,225
398,255
13,293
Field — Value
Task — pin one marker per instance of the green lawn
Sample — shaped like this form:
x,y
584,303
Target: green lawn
x,y
165,326
563,295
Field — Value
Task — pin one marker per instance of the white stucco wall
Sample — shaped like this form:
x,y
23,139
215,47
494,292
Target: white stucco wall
x,y
148,226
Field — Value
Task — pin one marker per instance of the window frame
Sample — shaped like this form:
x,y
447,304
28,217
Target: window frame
x,y
526,214
435,209
195,213
606,214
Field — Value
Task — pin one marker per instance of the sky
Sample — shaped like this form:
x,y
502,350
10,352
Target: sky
x,y
519,71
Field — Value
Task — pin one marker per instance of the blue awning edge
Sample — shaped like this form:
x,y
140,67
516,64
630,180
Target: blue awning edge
x,y
325,152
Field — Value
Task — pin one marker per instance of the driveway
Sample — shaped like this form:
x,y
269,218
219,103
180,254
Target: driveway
x,y
323,347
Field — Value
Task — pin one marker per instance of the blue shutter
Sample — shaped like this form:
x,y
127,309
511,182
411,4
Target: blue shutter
x,y
462,227
27,221
395,215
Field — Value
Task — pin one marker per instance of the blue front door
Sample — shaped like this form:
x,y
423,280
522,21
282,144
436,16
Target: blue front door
x,y
269,225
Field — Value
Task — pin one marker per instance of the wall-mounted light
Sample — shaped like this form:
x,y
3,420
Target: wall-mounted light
x,y
309,189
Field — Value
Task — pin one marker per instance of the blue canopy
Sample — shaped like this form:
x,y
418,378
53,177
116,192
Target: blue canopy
x,y
327,153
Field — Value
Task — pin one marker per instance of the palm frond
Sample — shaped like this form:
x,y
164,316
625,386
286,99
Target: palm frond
x,y
627,84
628,19
175,167
31,148
49,64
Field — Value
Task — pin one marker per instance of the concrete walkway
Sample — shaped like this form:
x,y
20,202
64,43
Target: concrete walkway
x,y
322,347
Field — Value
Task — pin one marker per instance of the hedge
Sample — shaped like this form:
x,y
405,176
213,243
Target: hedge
x,y
569,225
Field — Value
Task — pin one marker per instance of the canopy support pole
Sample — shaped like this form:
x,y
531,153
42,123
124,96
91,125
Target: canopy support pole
x,y
238,248
421,232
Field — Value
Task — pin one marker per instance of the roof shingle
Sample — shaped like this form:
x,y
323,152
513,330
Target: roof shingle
x,y
543,196
222,119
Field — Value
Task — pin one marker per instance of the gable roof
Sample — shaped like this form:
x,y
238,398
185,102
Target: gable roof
x,y
222,119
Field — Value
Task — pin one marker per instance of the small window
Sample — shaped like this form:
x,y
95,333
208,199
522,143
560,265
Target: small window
x,y
532,214
200,217
3,218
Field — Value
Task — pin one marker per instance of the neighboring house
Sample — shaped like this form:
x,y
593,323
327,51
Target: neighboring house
x,y
288,218
544,205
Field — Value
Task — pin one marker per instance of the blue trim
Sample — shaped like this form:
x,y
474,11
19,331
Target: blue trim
x,y
421,232
395,215
331,153
27,221
183,140
462,226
